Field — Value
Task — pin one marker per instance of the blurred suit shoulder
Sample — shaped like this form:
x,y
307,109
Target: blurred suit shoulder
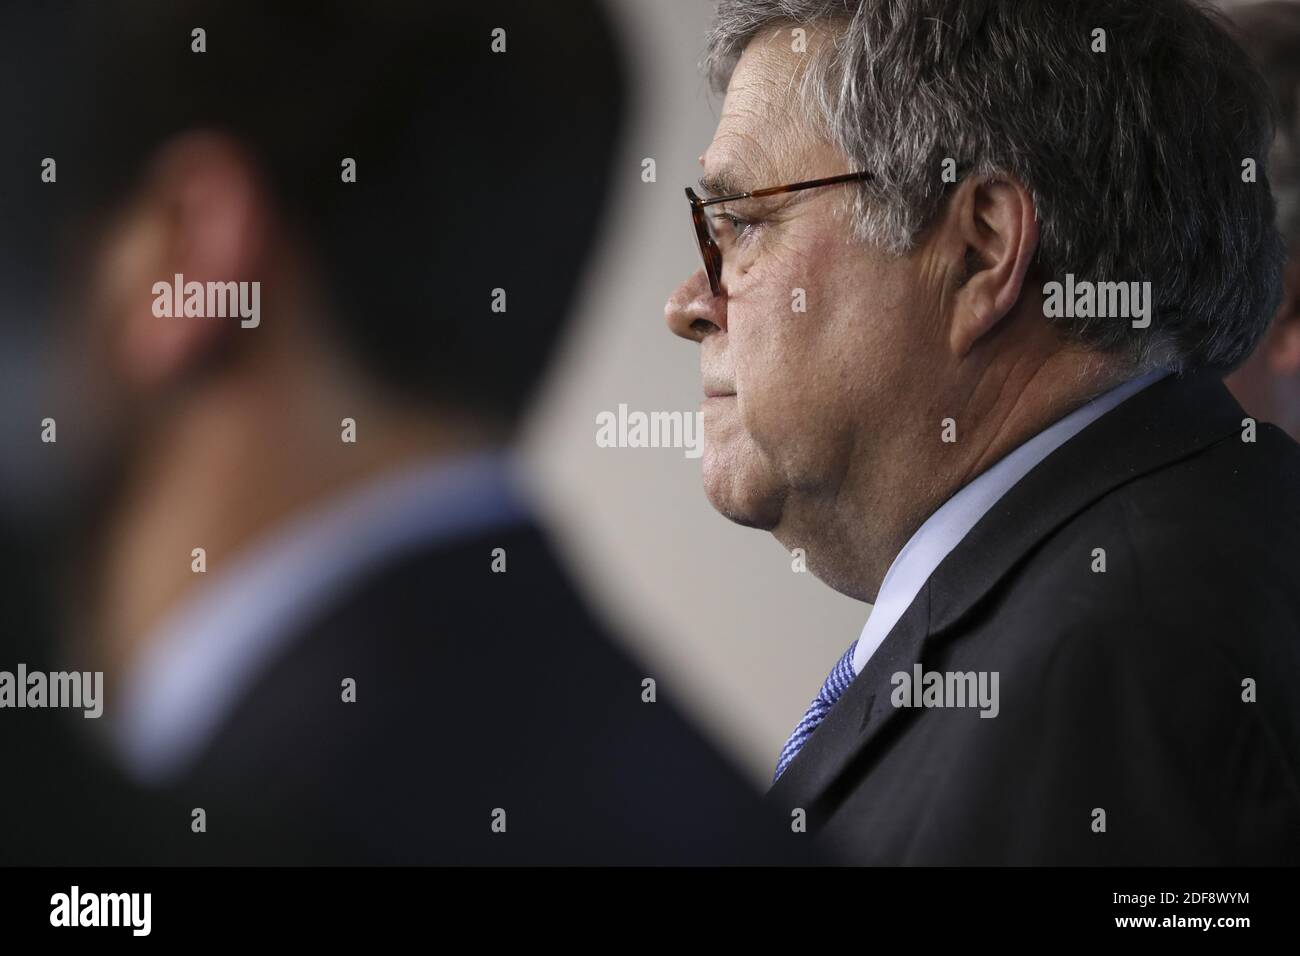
x,y
483,699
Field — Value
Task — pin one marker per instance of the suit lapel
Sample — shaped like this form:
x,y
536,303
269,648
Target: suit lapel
x,y
858,716
1169,420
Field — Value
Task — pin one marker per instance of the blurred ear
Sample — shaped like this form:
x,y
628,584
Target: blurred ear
x,y
990,236
1282,346
199,211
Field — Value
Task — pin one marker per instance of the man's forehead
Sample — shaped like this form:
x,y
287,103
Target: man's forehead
x,y
763,128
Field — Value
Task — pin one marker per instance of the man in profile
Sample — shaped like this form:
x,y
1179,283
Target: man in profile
x,y
317,256
972,275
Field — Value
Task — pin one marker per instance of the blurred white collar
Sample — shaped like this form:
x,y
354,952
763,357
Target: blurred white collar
x,y
207,654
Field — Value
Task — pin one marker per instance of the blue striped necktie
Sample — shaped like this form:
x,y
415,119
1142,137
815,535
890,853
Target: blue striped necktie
x,y
837,683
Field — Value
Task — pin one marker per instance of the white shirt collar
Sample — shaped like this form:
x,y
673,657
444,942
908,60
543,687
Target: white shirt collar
x,y
944,530
206,655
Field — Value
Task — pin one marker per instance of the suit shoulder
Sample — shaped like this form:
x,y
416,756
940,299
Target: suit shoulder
x,y
1206,550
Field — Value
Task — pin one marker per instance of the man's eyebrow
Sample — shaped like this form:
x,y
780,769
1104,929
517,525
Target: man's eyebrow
x,y
722,182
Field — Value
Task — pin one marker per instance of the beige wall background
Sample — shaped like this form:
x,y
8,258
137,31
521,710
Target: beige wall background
x,y
715,611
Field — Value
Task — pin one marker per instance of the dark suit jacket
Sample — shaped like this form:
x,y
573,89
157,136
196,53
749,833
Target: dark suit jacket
x,y
1120,691
476,692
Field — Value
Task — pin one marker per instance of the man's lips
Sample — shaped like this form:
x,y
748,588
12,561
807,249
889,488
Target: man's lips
x,y
717,391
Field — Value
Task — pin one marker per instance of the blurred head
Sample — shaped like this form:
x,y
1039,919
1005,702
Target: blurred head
x,y
1268,383
921,297
232,163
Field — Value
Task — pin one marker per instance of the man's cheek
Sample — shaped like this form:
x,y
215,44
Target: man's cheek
x,y
761,418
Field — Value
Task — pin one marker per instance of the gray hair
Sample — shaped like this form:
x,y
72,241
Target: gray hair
x,y
1134,156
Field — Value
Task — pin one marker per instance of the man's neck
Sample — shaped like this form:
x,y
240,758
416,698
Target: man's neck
x,y
222,476
852,538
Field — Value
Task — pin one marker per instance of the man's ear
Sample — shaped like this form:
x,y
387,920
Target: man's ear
x,y
198,212
991,225
1282,346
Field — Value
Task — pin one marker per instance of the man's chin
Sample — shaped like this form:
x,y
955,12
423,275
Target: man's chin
x,y
740,498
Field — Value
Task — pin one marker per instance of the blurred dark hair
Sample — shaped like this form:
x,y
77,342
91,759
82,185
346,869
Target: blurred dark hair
x,y
1270,32
475,170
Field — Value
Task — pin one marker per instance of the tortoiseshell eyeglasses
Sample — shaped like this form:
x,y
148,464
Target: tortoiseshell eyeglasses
x,y
707,229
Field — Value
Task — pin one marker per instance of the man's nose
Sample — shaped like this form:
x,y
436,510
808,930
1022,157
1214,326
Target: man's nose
x,y
694,311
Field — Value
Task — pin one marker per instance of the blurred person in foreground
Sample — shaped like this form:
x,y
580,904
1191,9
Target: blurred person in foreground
x,y
1268,383
375,657
973,273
